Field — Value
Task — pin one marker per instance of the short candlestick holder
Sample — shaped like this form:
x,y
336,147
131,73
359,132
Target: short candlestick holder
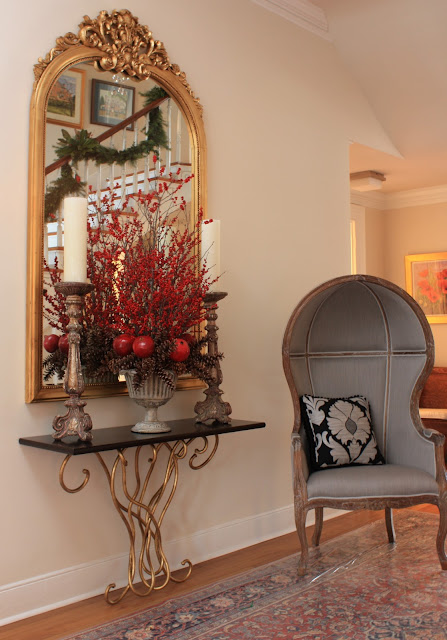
x,y
213,408
75,422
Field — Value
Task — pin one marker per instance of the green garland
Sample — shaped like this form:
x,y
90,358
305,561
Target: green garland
x,y
82,146
156,130
66,185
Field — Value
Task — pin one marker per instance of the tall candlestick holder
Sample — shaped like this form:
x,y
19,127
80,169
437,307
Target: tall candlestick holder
x,y
75,422
213,408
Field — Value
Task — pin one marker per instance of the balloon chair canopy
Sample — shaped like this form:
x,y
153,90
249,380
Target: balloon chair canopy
x,y
360,335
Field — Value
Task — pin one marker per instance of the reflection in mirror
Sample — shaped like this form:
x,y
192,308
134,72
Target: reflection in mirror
x,y
105,135
105,159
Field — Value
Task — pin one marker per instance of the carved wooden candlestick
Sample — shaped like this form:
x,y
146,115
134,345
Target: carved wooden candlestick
x,y
75,422
213,408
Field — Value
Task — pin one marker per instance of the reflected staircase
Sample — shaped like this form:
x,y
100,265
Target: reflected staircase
x,y
127,179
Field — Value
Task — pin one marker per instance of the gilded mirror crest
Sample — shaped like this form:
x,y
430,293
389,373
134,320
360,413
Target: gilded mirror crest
x,y
106,83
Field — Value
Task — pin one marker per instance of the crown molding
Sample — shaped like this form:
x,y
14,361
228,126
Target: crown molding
x,y
401,199
417,197
302,13
371,199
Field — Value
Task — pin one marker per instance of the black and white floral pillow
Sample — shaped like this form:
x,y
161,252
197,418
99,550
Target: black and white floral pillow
x,y
339,432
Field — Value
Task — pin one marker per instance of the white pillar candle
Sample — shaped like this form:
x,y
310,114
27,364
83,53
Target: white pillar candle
x,y
211,250
75,239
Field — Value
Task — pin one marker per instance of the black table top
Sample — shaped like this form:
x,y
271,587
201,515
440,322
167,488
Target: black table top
x,y
122,437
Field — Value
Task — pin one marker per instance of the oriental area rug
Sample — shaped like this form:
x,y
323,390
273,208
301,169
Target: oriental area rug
x,y
359,587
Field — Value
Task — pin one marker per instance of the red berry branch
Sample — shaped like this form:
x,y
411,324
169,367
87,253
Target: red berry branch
x,y
144,262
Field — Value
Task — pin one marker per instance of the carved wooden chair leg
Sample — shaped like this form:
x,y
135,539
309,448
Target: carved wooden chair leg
x,y
442,533
389,524
318,526
300,520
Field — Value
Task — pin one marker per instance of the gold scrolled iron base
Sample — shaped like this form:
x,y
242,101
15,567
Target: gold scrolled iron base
x,y
142,501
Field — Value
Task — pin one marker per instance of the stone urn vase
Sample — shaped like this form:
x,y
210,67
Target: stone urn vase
x,y
151,394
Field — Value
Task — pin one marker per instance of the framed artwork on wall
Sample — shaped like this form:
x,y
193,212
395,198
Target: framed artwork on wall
x,y
111,103
426,281
66,99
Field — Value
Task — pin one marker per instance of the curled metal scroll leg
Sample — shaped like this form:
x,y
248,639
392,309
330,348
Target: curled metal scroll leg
x,y
64,486
141,500
198,452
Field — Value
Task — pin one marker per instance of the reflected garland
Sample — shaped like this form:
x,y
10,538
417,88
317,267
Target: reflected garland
x,y
66,185
82,146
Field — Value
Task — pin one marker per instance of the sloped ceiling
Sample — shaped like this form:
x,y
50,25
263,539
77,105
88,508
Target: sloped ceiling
x,y
396,50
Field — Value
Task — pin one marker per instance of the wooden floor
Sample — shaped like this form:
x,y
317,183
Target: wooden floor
x,y
73,618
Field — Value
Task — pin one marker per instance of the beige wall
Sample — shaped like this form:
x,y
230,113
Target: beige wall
x,y
421,229
279,111
375,242
392,234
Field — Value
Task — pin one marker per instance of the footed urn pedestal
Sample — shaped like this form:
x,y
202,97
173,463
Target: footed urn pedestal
x,y
153,392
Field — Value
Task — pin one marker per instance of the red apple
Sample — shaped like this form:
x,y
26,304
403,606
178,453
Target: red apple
x,y
188,337
51,342
143,346
122,344
63,343
181,350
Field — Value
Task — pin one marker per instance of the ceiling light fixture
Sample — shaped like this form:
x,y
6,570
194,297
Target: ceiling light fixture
x,y
366,180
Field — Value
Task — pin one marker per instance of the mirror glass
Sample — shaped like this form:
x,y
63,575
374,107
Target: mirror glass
x,y
83,105
106,135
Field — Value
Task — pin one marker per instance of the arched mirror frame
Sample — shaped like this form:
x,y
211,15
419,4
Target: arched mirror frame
x,y
132,51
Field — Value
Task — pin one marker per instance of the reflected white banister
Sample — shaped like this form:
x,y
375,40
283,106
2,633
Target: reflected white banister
x,y
178,149
112,166
146,162
98,186
135,168
142,174
123,168
169,125
59,229
45,245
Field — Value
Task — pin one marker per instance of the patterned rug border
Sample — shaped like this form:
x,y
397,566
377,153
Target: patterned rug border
x,y
212,590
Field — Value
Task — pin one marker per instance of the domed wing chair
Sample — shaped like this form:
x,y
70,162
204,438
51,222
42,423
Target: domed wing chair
x,y
357,351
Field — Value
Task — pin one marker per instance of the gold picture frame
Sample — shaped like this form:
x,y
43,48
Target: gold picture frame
x,y
111,103
103,41
66,99
426,282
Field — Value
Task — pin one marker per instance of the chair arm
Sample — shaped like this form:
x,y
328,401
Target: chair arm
x,y
300,471
297,452
296,440
437,438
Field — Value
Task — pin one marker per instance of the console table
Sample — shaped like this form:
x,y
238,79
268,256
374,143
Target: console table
x,y
143,499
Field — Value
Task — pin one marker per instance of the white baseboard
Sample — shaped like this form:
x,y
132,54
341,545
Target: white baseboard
x,y
27,598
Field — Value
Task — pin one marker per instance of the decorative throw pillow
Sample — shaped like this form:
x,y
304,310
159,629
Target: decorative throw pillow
x,y
339,432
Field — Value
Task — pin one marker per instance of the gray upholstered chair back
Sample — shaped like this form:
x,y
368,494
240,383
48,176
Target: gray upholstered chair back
x,y
362,335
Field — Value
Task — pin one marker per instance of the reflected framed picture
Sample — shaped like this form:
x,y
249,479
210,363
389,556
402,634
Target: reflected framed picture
x,y
111,103
66,99
426,281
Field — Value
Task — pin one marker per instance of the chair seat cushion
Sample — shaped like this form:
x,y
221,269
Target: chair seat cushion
x,y
371,481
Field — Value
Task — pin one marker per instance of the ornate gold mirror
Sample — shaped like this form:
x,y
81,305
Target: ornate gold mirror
x,y
102,83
